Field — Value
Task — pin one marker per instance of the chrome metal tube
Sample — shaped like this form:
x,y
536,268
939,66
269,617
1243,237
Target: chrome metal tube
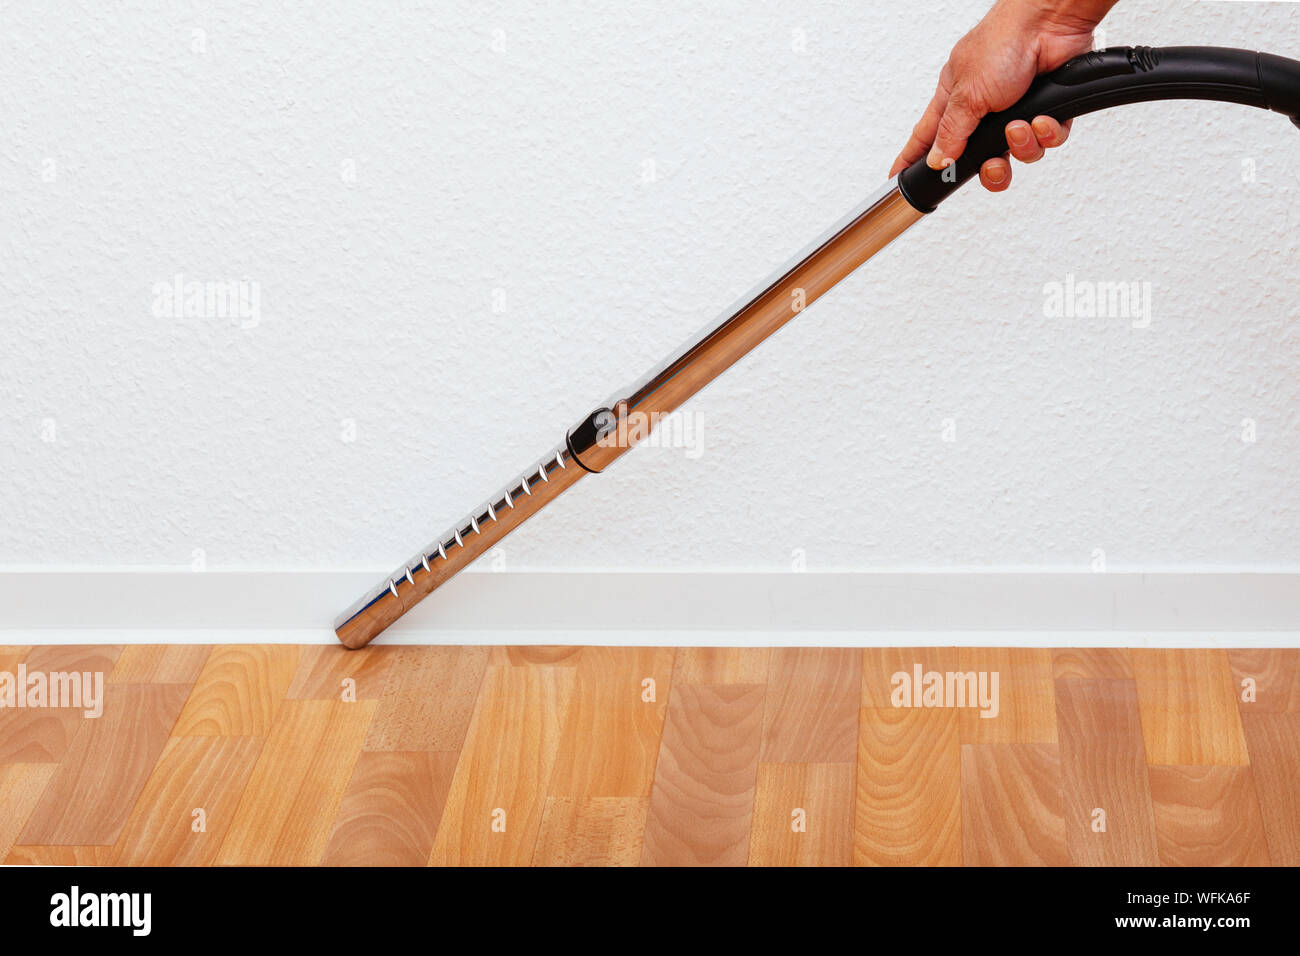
x,y
609,431
871,226
458,547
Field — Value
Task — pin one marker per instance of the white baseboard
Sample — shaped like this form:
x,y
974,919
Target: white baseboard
x,y
975,608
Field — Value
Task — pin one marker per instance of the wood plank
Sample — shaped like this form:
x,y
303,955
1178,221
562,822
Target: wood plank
x,y
95,855
10,658
37,735
96,658
159,664
1104,766
811,710
239,691
428,699
542,655
322,670
286,812
803,814
609,742
721,665
494,809
1012,812
21,786
591,831
207,773
390,813
43,735
908,801
1207,816
880,664
1274,744
703,796
1276,675
106,766
1026,711
1189,707
1091,663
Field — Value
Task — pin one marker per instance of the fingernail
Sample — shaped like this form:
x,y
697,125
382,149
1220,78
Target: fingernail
x,y
996,174
935,159
1019,134
1043,129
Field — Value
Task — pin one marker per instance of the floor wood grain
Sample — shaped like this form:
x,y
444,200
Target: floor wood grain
x,y
99,658
620,756
239,691
159,664
428,698
1104,783
37,736
1272,676
1189,707
1027,696
21,786
591,831
811,711
1274,744
803,815
1207,816
1012,812
335,673
609,743
46,855
703,794
722,665
881,664
1096,663
106,767
287,810
44,735
540,654
11,657
391,810
187,805
498,794
908,807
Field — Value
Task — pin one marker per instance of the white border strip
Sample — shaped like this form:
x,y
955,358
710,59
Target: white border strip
x,y
678,638
697,608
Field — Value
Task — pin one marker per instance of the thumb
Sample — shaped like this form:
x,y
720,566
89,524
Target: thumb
x,y
955,126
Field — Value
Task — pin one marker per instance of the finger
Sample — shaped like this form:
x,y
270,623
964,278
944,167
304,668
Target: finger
x,y
923,133
1023,143
1049,132
995,174
957,123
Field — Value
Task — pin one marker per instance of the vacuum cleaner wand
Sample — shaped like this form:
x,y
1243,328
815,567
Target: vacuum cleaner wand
x,y
1088,83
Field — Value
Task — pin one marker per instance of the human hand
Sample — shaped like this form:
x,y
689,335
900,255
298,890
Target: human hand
x,y
989,69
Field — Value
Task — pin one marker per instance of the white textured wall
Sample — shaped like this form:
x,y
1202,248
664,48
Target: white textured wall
x,y
134,149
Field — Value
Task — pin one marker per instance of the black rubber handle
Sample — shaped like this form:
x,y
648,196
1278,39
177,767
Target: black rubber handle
x,y
1114,77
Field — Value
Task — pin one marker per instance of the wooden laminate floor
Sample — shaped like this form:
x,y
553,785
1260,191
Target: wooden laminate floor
x,y
286,755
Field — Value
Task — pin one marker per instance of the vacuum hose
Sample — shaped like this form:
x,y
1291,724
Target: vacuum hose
x,y
1116,77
